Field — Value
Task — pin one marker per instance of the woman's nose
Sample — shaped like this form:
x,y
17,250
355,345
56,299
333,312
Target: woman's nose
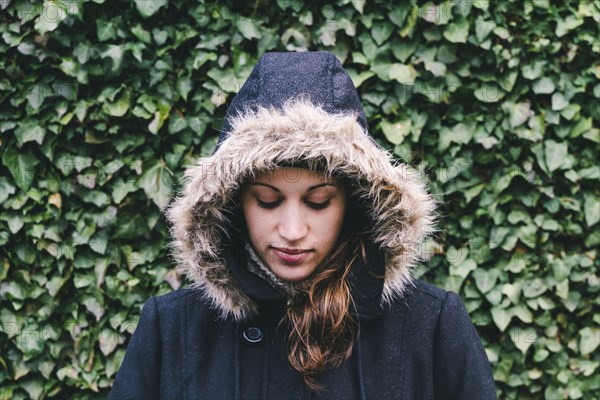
x,y
292,226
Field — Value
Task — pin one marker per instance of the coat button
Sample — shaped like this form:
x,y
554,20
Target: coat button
x,y
253,334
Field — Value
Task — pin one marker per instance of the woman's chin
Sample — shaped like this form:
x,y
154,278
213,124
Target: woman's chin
x,y
292,274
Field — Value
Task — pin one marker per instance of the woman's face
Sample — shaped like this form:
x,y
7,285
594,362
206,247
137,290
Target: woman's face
x,y
293,209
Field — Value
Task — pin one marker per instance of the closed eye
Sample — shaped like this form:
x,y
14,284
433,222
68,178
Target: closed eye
x,y
316,206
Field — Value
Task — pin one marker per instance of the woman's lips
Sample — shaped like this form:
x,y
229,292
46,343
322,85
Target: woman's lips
x,y
291,258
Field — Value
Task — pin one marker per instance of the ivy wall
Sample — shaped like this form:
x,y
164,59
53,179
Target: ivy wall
x,y
103,104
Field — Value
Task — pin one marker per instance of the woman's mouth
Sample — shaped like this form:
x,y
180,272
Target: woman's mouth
x,y
291,258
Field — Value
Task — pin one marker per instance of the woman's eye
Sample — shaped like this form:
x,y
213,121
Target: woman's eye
x,y
319,206
316,206
267,205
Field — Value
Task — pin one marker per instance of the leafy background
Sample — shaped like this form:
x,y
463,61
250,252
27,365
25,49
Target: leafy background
x,y
105,103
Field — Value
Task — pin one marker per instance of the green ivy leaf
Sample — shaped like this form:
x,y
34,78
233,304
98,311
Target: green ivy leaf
x,y
523,313
147,8
533,70
119,107
436,68
485,279
459,133
544,85
501,317
404,74
115,53
457,32
360,78
157,183
34,387
52,13
21,165
534,288
489,93
519,112
463,268
412,11
28,133
398,14
381,32
563,26
591,208
584,125
513,291
159,118
184,86
523,338
6,189
572,301
108,341
559,102
483,28
555,154
105,30
130,225
589,340
396,132
96,197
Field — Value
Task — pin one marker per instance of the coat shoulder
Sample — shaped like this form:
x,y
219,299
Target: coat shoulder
x,y
421,299
174,297
181,300
427,289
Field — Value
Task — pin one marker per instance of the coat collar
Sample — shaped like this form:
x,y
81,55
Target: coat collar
x,y
366,290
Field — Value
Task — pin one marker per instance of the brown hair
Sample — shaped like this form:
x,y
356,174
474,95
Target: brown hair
x,y
322,328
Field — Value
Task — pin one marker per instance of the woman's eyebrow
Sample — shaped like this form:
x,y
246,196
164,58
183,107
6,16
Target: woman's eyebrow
x,y
310,189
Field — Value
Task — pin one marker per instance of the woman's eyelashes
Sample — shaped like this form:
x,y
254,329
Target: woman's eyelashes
x,y
316,206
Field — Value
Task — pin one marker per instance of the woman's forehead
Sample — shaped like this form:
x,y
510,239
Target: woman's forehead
x,y
284,179
295,185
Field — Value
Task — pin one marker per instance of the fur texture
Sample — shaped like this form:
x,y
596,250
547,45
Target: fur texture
x,y
402,211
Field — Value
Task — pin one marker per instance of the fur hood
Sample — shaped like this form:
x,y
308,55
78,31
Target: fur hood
x,y
296,123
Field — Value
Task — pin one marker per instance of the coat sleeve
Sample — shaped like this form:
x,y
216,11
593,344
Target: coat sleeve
x,y
139,374
461,367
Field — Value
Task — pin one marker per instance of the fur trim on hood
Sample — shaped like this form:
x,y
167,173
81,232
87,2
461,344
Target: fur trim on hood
x,y
400,206
402,211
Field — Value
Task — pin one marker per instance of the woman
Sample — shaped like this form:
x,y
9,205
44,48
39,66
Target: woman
x,y
299,234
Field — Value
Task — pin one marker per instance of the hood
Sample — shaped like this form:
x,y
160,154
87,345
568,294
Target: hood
x,y
297,108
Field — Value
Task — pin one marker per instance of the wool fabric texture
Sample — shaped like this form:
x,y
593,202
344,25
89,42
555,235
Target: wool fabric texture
x,y
255,265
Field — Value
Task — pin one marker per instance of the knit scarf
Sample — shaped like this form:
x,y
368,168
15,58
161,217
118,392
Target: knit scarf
x,y
255,265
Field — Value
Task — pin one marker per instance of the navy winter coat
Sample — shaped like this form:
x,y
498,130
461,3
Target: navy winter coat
x,y
217,339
